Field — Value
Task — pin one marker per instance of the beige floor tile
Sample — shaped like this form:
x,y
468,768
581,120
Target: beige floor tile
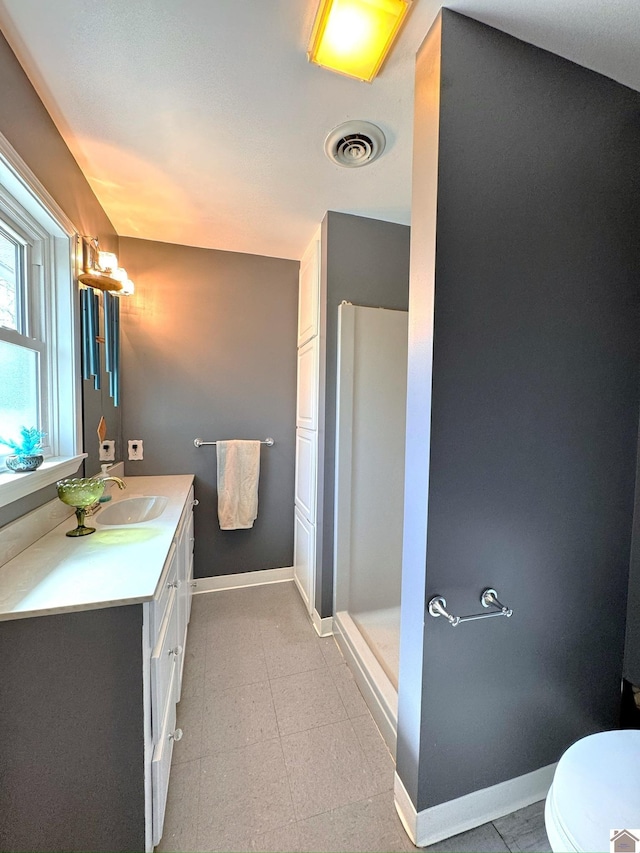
x,y
234,630
284,839
327,768
331,651
293,656
348,690
194,668
209,607
281,628
482,839
369,826
237,717
198,627
189,719
233,840
235,665
278,596
227,602
524,831
243,793
305,700
202,603
285,607
375,749
181,815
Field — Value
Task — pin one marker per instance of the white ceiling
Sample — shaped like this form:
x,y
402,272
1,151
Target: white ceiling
x,y
201,122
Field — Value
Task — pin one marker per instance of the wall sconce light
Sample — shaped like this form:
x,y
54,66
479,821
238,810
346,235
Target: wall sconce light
x,y
100,269
353,37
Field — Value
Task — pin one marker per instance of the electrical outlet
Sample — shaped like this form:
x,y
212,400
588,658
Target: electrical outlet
x,y
135,449
107,451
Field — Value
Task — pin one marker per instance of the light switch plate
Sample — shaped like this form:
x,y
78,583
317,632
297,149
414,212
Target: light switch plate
x,y
107,451
135,449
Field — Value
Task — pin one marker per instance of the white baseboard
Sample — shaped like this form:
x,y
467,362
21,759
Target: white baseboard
x,y
446,819
243,579
323,625
379,693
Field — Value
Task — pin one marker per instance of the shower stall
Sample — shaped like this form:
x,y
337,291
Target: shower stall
x,y
370,442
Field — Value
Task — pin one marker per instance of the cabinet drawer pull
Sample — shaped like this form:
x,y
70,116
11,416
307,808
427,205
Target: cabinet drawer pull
x,y
193,584
195,502
175,652
176,735
173,584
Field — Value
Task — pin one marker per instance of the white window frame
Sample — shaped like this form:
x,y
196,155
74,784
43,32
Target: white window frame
x,y
25,202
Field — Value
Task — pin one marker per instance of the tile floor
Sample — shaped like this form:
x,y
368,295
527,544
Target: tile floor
x,y
280,752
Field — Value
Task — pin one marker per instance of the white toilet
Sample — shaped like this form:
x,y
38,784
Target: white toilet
x,y
596,789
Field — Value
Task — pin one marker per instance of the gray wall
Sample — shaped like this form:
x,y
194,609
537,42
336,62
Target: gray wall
x,y
209,351
631,669
73,756
366,262
534,409
29,128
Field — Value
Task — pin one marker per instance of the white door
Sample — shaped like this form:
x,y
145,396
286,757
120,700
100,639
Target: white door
x,y
305,483
304,546
309,294
307,413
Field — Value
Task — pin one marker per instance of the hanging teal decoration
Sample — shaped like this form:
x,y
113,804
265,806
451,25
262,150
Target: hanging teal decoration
x,y
84,322
108,337
95,316
90,313
112,344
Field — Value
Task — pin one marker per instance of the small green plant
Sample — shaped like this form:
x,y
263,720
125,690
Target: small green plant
x,y
30,443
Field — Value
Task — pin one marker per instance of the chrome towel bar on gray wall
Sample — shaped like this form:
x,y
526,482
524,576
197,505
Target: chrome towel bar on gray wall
x,y
489,598
199,442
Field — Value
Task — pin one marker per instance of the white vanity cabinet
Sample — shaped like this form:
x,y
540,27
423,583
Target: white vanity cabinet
x,y
167,617
97,631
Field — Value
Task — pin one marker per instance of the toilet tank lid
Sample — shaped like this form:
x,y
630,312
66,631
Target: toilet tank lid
x,y
596,787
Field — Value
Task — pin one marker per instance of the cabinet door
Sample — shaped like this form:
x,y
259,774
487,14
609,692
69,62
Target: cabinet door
x,y
160,767
184,554
307,413
190,582
164,656
304,549
309,292
306,455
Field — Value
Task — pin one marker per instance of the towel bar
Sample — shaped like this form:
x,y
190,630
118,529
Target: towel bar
x,y
489,598
199,442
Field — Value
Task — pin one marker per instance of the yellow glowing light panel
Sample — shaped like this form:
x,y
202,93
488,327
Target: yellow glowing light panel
x,y
354,36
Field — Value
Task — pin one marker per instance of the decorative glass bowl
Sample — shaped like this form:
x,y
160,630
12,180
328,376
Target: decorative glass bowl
x,y
80,492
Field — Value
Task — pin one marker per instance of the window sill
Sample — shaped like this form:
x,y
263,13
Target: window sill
x,y
16,486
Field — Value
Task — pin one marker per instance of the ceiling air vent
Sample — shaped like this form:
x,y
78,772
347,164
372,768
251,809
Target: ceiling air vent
x,y
354,143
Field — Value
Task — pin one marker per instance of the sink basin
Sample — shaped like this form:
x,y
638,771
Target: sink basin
x,y
132,510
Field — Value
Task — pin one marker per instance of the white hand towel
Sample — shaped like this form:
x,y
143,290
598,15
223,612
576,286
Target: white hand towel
x,y
238,473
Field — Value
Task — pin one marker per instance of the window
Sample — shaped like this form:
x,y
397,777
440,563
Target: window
x,y
23,351
39,379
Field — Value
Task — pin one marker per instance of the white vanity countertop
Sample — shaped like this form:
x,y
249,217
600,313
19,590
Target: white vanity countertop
x,y
113,566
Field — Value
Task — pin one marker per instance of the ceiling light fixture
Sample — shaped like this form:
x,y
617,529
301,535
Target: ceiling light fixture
x,y
353,37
